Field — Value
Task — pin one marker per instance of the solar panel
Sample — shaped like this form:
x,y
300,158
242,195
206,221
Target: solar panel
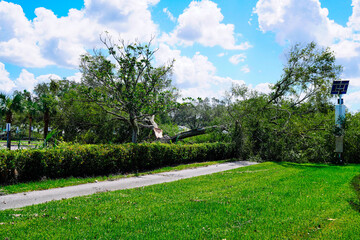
x,y
339,87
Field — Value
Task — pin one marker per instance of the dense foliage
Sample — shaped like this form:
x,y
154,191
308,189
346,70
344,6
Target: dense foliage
x,y
294,122
131,89
92,160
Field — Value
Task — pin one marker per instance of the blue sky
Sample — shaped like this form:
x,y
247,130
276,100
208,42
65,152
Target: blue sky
x,y
215,43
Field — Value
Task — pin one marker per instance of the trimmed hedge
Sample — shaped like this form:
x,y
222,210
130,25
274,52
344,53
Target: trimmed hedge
x,y
92,160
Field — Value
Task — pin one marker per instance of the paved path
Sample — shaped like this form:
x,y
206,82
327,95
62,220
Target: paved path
x,y
30,198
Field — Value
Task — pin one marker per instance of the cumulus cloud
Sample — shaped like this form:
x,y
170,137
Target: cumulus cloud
x,y
49,40
352,100
25,81
202,23
5,83
76,77
304,21
298,21
17,38
354,20
196,76
263,88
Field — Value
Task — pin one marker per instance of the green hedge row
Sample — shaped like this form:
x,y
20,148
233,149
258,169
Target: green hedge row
x,y
90,160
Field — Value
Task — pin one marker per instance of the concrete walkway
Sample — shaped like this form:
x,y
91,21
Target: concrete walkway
x,y
36,197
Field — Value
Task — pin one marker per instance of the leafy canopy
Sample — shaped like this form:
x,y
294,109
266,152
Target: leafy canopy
x,y
125,83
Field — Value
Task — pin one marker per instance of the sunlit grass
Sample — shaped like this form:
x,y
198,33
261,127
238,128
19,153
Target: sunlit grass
x,y
264,201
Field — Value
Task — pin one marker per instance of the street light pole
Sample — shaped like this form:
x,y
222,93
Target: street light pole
x,y
339,88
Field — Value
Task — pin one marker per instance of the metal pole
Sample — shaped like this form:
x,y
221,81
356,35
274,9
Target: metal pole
x,y
8,129
341,126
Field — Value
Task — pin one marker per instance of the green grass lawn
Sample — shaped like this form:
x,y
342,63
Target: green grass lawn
x,y
264,201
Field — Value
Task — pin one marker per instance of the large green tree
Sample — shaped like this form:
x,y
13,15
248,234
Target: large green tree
x,y
47,100
307,76
295,119
125,84
85,121
31,109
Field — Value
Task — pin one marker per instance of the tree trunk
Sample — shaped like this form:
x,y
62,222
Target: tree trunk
x,y
134,136
9,140
135,130
238,137
187,134
46,123
150,121
9,120
30,124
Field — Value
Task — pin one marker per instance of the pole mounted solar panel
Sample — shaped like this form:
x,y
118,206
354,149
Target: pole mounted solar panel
x,y
339,87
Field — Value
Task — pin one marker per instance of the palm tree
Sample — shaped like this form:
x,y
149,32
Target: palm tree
x,y
9,105
47,101
31,108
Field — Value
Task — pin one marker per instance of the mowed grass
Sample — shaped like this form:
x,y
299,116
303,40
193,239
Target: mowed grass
x,y
264,201
64,182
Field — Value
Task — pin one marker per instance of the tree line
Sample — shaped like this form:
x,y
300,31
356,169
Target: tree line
x,y
123,97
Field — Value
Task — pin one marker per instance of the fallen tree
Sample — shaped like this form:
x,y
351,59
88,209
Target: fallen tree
x,y
191,133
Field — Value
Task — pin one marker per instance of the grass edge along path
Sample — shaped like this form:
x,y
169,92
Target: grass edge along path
x,y
37,197
65,182
263,201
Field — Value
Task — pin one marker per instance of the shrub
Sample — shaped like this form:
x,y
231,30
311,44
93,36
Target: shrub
x,y
90,160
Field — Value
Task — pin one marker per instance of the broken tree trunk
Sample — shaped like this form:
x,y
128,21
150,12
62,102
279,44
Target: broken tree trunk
x,y
190,133
158,132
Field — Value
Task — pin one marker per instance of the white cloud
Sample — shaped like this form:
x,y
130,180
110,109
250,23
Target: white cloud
x,y
132,19
5,83
354,82
13,22
235,59
263,88
346,49
201,23
196,76
49,40
76,77
245,69
17,38
169,14
304,21
298,21
28,81
354,20
352,101
221,54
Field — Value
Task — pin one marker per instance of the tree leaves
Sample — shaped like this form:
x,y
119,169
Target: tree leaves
x,y
131,89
